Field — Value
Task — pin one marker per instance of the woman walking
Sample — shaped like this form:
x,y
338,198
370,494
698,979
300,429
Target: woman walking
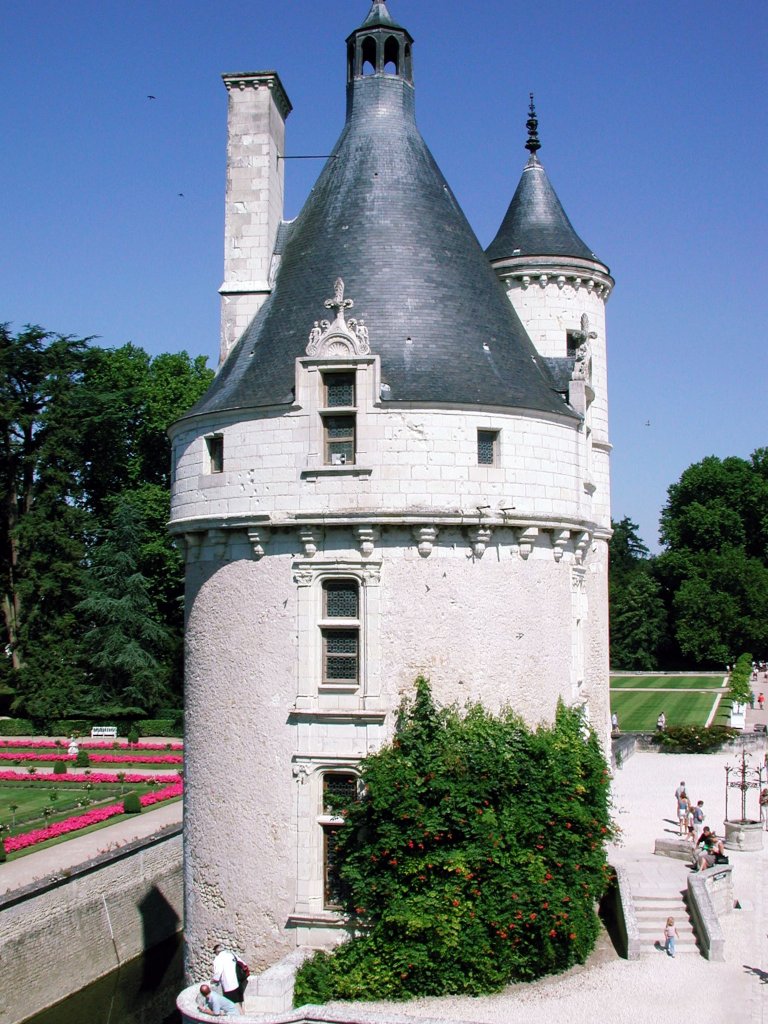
x,y
683,807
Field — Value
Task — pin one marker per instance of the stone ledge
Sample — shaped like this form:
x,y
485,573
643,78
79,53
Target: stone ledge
x,y
677,849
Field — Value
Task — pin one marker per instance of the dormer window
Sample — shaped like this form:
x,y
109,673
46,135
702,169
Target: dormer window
x,y
339,426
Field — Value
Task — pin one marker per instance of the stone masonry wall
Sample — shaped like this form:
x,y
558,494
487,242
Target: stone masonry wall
x,y
56,936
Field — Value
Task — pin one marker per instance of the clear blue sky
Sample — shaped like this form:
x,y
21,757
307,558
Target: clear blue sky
x,y
653,123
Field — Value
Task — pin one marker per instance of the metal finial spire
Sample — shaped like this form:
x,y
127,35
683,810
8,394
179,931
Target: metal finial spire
x,y
532,124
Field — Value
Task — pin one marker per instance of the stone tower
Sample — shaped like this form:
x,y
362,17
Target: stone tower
x,y
387,477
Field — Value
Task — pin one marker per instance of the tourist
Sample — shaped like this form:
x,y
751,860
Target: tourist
x,y
683,807
708,849
615,724
670,936
760,700
224,974
698,820
214,1003
764,807
661,722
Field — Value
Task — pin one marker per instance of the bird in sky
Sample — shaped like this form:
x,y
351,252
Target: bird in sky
x,y
151,97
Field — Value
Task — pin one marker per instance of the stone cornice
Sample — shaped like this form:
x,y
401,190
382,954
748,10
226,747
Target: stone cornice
x,y
258,80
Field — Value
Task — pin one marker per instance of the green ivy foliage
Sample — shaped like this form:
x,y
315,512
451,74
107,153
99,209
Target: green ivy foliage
x,y
473,859
740,686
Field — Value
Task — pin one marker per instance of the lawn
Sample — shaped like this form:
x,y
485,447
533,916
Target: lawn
x,y
22,803
667,682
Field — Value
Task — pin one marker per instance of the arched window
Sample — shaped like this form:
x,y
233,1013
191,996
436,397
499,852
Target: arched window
x,y
392,56
369,56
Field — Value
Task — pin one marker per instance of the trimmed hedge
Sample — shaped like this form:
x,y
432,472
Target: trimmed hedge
x,y
693,739
17,727
132,804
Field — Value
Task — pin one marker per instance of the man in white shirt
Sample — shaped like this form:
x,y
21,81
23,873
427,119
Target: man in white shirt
x,y
224,973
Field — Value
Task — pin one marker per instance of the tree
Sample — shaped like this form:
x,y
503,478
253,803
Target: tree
x,y
474,857
40,519
637,613
125,645
714,570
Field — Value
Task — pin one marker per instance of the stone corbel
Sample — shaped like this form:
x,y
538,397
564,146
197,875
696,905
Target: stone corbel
x,y
191,544
582,543
425,539
308,541
526,539
479,539
526,281
577,283
366,539
258,537
560,539
217,541
561,282
543,279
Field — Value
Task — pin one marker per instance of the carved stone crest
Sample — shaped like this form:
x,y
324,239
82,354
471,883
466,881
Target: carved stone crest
x,y
582,369
340,339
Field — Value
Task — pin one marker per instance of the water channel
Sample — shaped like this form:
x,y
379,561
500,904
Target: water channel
x,y
142,991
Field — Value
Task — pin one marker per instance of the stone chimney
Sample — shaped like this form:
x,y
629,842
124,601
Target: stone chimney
x,y
258,107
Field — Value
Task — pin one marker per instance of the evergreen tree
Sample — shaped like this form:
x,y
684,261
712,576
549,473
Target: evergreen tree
x,y
125,645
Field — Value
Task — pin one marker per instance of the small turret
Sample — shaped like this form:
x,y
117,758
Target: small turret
x,y
379,47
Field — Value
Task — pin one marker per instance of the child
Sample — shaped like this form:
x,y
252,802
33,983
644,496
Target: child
x,y
670,935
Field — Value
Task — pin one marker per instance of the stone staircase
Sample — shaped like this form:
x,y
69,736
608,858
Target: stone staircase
x,y
652,910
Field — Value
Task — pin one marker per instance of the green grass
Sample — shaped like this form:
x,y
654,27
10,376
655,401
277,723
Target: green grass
x,y
666,682
31,797
81,832
638,711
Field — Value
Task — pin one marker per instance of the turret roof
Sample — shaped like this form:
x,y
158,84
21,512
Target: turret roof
x,y
535,223
379,15
382,217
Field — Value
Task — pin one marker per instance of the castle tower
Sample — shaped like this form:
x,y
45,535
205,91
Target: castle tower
x,y
386,478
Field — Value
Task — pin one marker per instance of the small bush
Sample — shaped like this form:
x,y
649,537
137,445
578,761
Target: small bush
x,y
3,854
133,735
82,760
59,768
693,739
132,804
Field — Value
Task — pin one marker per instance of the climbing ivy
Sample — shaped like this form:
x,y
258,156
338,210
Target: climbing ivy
x,y
474,856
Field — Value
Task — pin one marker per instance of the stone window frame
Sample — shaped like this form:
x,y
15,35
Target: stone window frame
x,y
329,824
349,625
331,410
214,449
311,396
493,437
310,685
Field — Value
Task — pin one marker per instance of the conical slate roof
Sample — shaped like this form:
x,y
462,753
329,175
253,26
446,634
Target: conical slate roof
x,y
383,218
379,15
536,223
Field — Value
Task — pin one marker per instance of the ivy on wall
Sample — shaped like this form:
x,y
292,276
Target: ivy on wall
x,y
473,857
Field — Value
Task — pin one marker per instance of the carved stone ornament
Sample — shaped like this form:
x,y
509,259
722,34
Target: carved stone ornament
x,y
308,541
559,540
338,339
425,539
582,543
582,369
258,537
303,577
366,539
526,540
479,539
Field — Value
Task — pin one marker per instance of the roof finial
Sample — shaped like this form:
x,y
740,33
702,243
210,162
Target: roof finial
x,y
532,124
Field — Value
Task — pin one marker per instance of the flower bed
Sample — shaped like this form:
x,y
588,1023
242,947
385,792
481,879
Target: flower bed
x,y
89,745
79,821
19,755
112,777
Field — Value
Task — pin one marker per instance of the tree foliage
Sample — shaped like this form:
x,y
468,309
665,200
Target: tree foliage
x,y
638,616
82,435
474,858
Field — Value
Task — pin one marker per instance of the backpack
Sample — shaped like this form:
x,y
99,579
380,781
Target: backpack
x,y
243,972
